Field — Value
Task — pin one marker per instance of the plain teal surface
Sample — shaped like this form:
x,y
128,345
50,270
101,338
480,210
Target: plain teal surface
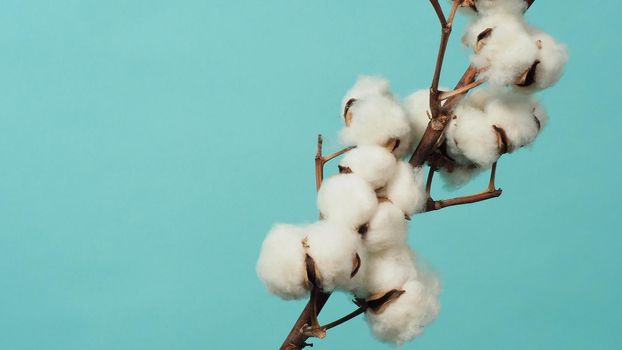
x,y
147,146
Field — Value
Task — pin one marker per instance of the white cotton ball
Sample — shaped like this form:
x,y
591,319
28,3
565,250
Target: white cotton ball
x,y
281,264
514,113
387,229
503,48
405,318
375,121
375,164
338,254
366,86
552,58
488,7
407,189
470,138
417,107
389,269
459,176
347,199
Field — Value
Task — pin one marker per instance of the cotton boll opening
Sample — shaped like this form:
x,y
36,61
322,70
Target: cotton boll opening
x,y
389,269
470,139
374,164
364,87
406,189
281,264
338,254
552,58
488,7
347,199
405,318
514,114
387,229
503,48
375,120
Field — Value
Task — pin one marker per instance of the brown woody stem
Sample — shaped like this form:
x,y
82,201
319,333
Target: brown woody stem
x,y
464,89
474,198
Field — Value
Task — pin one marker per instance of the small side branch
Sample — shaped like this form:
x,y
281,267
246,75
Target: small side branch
x,y
461,90
321,160
486,195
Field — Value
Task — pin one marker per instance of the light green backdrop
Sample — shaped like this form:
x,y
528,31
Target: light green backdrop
x,y
147,146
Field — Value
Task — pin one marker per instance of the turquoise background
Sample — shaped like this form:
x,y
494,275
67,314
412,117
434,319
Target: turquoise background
x,y
147,146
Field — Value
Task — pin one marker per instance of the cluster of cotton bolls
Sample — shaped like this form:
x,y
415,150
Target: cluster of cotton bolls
x,y
360,243
516,60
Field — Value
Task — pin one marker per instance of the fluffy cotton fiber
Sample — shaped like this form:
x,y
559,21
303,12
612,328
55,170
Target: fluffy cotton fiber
x,y
390,269
417,107
470,138
552,58
490,7
375,164
375,121
515,114
406,317
347,199
281,265
367,86
387,229
334,250
407,188
502,47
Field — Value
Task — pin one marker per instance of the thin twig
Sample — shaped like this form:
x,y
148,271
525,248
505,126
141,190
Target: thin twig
x,y
474,198
461,90
345,318
337,154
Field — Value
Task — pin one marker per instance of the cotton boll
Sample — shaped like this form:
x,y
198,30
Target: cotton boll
x,y
375,164
552,58
470,138
389,269
407,189
488,7
459,176
281,265
338,254
514,114
405,318
417,107
366,86
375,120
387,229
502,47
347,199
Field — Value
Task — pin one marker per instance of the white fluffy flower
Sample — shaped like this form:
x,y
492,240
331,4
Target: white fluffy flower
x,y
347,199
470,137
375,164
376,120
387,229
502,46
407,188
405,318
417,107
281,264
364,87
389,269
486,124
338,254
488,7
551,60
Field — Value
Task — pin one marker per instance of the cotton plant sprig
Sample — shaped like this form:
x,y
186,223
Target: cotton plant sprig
x,y
359,244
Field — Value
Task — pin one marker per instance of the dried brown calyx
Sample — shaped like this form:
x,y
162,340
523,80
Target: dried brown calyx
x,y
357,265
347,114
392,144
482,39
377,303
529,76
503,143
362,230
344,169
313,274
